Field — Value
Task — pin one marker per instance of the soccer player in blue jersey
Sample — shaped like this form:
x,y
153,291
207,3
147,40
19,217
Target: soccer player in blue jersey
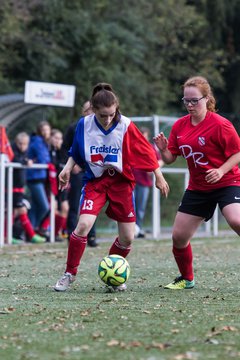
x,y
108,146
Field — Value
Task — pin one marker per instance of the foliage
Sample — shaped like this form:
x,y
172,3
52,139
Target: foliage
x,y
145,49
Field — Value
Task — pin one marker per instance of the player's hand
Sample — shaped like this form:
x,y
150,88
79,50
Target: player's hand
x,y
161,141
162,185
213,175
64,178
29,162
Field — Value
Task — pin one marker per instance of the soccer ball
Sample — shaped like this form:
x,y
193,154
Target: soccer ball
x,y
114,270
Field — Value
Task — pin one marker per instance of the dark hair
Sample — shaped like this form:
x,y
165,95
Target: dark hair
x,y
203,85
41,125
104,96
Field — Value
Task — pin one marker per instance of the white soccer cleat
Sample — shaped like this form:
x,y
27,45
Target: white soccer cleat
x,y
63,283
122,287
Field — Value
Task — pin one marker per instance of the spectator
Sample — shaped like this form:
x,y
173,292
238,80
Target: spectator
x,y
37,178
58,160
76,183
20,205
144,181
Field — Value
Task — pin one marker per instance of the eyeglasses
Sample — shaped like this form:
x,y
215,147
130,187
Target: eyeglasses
x,y
193,101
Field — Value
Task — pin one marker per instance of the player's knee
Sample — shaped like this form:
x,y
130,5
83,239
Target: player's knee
x,y
82,229
179,239
126,241
235,225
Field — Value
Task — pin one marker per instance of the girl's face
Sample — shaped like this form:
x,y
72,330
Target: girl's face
x,y
105,116
46,132
195,102
57,140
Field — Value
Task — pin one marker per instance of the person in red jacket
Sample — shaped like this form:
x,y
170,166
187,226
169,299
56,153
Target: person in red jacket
x,y
107,145
211,147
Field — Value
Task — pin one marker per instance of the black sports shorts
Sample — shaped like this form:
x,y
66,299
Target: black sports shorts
x,y
203,204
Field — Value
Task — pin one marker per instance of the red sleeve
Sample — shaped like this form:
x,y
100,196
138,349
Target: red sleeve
x,y
228,138
157,152
137,151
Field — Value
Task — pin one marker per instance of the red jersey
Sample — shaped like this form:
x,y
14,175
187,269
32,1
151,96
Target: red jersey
x,y
206,146
145,178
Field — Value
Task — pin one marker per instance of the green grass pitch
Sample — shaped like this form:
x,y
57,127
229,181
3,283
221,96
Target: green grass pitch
x,y
145,323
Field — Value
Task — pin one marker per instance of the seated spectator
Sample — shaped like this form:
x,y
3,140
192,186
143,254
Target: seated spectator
x,y
58,160
20,205
144,182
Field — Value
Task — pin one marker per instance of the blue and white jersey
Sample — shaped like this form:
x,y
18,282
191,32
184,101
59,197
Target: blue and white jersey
x,y
97,150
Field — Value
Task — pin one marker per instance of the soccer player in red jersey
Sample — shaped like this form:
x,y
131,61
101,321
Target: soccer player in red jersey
x,y
107,145
211,147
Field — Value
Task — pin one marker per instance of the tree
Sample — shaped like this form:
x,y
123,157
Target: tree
x,y
146,49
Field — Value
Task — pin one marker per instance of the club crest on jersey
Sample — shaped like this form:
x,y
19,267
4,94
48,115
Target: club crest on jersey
x,y
104,154
201,140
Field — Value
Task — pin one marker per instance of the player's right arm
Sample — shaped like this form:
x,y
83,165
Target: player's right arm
x,y
160,182
162,144
64,176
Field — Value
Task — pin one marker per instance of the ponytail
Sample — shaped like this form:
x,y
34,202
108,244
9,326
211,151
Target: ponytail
x,y
104,96
101,86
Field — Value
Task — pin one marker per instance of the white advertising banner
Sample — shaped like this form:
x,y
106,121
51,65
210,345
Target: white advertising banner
x,y
44,93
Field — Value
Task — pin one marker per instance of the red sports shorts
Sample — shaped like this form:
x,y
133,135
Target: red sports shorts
x,y
114,189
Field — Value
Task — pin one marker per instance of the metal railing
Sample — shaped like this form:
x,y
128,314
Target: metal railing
x,y
211,227
7,168
6,214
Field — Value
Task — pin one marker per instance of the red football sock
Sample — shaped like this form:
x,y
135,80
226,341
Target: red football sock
x,y
45,223
77,245
60,221
184,260
27,226
118,249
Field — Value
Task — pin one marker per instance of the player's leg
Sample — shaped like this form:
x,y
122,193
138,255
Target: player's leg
x,y
121,208
194,208
21,212
184,227
122,245
91,203
78,241
77,245
231,213
61,213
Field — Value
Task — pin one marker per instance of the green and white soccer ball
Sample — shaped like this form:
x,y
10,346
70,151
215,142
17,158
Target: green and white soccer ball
x,y
114,270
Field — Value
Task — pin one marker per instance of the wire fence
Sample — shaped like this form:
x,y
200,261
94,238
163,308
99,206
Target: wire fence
x,y
6,203
156,123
